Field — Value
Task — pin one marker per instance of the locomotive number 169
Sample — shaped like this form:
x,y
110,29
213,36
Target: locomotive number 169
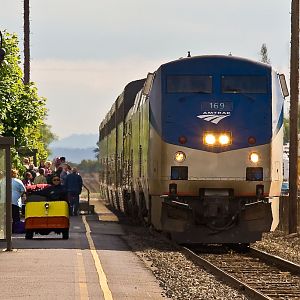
x,y
216,106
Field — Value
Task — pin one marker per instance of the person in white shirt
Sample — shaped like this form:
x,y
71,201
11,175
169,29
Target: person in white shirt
x,y
18,189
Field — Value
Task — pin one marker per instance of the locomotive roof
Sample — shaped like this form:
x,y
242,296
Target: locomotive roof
x,y
132,87
217,57
128,94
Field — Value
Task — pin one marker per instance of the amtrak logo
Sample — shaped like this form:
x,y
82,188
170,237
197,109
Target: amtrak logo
x,y
214,117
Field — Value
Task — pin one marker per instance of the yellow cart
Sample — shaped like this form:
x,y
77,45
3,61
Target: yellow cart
x,y
44,216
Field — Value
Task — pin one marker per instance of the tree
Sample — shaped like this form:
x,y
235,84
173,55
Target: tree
x,y
88,166
264,54
286,128
47,136
286,131
22,110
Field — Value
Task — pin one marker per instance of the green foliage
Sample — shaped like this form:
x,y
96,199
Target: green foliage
x,y
286,130
22,110
264,54
88,166
16,161
46,137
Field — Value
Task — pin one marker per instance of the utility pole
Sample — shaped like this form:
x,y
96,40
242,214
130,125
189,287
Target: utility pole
x,y
294,87
26,42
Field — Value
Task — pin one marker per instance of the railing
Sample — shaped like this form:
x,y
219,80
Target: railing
x,y
85,205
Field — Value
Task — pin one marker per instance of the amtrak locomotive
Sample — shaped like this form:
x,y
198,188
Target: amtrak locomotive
x,y
195,149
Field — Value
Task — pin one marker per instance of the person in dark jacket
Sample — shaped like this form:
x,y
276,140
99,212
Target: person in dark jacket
x,y
73,184
55,191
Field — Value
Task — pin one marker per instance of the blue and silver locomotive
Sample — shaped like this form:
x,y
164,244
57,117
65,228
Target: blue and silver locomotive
x,y
198,150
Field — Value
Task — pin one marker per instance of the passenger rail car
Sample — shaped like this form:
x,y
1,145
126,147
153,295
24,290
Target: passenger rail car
x,y
196,149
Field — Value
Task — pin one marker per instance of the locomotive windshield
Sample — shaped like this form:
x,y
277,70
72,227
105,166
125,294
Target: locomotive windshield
x,y
189,84
244,84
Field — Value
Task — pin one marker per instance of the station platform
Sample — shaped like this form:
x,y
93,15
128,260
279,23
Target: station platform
x,y
95,263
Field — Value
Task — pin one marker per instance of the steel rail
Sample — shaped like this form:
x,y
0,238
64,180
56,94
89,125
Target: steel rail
x,y
224,276
277,261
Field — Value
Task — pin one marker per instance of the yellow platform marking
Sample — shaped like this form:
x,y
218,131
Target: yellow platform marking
x,y
102,277
84,295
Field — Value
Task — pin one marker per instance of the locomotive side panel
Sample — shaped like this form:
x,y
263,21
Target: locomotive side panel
x,y
111,167
155,152
277,147
115,146
103,159
155,140
119,151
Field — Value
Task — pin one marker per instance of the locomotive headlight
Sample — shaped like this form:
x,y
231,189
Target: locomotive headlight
x,y
224,139
254,157
209,139
180,156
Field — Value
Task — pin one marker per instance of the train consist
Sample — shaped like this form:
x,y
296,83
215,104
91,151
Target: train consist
x,y
195,149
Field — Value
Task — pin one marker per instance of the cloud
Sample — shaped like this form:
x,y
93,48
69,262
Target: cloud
x,y
84,53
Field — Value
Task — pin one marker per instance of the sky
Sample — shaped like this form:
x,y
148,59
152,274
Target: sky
x,y
83,53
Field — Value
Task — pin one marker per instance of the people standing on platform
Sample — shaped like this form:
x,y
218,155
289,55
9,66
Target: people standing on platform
x,y
40,178
58,163
48,170
73,185
62,160
18,189
66,170
55,164
28,179
42,164
26,162
32,170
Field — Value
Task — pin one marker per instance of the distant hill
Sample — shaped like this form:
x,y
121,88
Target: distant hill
x,y
75,147
75,155
76,141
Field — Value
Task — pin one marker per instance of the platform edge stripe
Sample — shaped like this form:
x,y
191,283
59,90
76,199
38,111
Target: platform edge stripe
x,y
102,277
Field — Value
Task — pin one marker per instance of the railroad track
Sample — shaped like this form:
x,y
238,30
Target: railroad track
x,y
257,274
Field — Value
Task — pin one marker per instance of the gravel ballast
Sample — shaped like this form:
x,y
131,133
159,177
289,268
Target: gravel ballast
x,y
281,244
178,276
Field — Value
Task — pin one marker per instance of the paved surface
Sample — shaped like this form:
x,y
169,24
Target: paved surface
x,y
94,263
